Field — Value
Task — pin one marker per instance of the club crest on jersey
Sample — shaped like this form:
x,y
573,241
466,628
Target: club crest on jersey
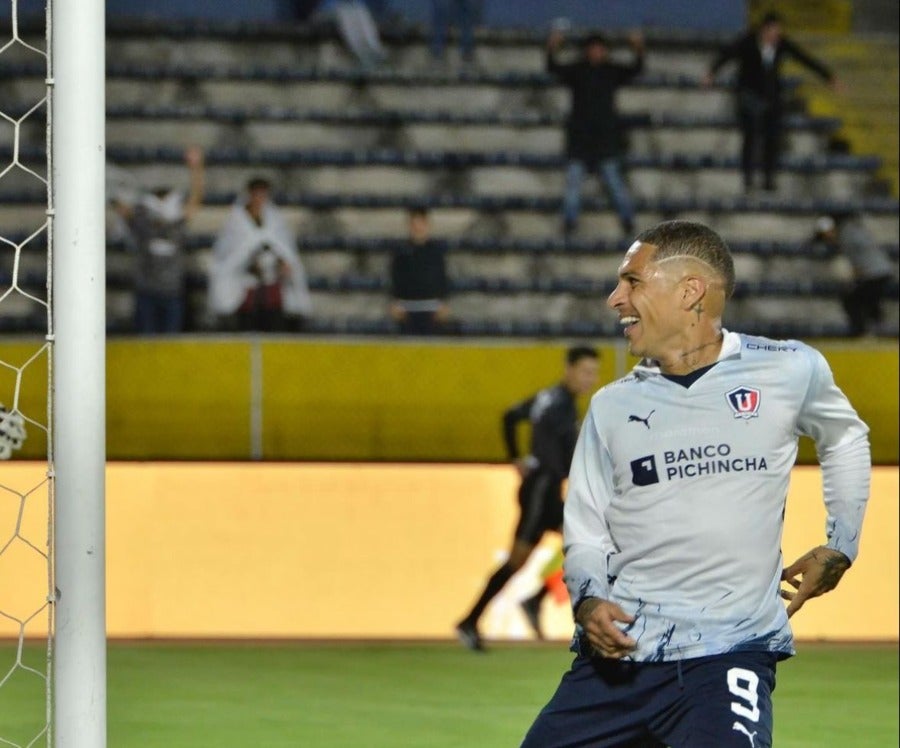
x,y
744,402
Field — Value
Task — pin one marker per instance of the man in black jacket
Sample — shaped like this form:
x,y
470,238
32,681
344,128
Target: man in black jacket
x,y
593,133
554,431
419,283
759,54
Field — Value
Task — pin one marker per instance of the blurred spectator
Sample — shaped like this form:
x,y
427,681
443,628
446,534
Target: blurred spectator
x,y
872,268
357,28
155,228
593,137
256,279
759,54
419,284
461,14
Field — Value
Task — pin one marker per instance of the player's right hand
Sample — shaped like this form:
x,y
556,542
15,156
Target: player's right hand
x,y
599,619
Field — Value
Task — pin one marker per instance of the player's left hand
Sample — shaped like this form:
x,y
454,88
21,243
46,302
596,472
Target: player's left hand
x,y
813,574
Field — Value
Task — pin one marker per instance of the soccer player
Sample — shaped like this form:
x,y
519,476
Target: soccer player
x,y
554,430
675,508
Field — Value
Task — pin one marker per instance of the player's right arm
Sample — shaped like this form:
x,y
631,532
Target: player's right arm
x,y
588,545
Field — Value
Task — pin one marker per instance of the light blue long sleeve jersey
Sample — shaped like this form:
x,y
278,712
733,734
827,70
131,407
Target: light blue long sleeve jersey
x,y
676,497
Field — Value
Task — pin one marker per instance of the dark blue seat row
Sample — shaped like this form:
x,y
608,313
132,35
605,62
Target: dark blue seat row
x,y
491,245
390,76
394,117
797,328
452,160
398,32
354,76
579,286
803,329
444,159
546,245
399,117
539,204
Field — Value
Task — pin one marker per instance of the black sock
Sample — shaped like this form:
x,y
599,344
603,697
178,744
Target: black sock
x,y
493,586
538,596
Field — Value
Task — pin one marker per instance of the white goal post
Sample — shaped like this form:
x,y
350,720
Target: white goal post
x,y
77,240
67,602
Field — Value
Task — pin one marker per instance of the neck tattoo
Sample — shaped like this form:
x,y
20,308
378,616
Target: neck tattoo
x,y
702,346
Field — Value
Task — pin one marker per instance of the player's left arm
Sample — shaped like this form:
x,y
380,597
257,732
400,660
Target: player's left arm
x,y
842,445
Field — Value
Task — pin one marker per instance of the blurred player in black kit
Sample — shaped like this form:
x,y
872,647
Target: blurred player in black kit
x,y
554,430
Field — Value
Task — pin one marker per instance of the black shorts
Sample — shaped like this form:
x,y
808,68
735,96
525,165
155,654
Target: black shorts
x,y
541,505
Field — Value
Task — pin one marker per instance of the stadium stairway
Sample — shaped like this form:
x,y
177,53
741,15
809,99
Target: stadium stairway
x,y
869,98
349,151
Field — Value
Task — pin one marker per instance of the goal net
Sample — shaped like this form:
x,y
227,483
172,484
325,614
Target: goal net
x,y
25,486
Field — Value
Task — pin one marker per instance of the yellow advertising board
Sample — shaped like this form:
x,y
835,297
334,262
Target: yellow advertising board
x,y
273,550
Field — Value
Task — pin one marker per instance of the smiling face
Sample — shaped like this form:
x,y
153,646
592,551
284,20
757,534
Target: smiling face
x,y
647,301
671,293
670,308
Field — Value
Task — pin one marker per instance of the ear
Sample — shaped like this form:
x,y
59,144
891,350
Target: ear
x,y
693,290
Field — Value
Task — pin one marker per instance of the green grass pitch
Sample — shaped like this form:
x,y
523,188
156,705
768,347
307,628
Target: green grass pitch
x,y
429,695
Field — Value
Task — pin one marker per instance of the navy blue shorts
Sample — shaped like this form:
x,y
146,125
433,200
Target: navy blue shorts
x,y
720,701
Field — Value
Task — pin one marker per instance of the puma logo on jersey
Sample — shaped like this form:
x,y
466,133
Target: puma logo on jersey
x,y
751,736
645,421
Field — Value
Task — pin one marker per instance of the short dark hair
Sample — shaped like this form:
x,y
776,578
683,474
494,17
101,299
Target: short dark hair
x,y
418,211
595,38
258,183
577,352
771,17
673,238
